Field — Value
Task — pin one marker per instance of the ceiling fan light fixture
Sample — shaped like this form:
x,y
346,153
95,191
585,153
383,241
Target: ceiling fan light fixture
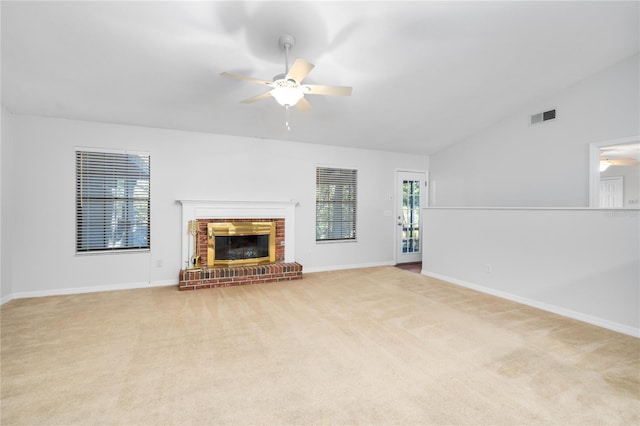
x,y
287,92
604,165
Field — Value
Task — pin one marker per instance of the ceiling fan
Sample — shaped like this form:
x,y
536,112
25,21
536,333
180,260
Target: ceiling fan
x,y
627,154
287,88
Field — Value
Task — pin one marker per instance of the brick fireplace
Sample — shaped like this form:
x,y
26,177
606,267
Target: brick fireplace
x,y
204,213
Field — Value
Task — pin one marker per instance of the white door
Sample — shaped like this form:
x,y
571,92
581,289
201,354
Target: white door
x,y
412,197
611,192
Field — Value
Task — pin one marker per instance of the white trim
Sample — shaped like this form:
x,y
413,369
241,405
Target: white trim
x,y
6,299
333,166
110,150
529,208
111,251
163,283
351,240
343,267
620,328
411,171
398,209
96,289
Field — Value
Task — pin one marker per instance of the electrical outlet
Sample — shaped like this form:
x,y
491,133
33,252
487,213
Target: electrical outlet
x,y
159,263
488,268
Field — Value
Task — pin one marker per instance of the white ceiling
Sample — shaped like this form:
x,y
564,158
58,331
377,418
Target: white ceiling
x,y
424,74
625,151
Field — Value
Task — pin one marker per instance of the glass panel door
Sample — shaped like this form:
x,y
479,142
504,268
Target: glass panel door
x,y
411,198
410,216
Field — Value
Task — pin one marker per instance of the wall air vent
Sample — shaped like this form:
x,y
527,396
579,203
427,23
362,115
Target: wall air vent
x,y
543,116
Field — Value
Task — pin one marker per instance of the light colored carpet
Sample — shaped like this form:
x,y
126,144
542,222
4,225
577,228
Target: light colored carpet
x,y
378,346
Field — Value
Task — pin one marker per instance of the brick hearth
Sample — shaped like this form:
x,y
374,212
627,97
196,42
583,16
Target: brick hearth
x,y
239,275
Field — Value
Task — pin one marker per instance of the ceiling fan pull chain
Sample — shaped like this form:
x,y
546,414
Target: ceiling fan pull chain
x,y
286,117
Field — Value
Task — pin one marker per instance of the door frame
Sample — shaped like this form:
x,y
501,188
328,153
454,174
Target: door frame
x,y
424,202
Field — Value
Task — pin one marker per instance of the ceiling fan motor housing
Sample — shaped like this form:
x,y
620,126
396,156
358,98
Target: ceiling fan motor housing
x,y
286,40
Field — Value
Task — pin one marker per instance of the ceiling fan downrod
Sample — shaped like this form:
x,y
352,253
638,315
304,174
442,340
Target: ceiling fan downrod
x,y
286,41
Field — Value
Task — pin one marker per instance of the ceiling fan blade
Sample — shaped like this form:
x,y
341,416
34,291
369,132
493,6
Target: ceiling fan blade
x,y
299,70
257,98
243,77
318,89
303,105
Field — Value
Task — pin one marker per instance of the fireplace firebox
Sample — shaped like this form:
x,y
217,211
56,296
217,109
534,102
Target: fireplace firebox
x,y
241,243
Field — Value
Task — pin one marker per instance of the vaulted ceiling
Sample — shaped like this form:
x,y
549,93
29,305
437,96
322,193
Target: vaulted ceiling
x,y
425,74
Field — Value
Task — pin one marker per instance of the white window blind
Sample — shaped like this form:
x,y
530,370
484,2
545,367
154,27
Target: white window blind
x,y
112,201
336,200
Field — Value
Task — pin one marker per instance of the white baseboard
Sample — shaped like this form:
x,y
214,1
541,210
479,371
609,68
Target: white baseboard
x,y
93,289
600,322
6,299
342,267
163,283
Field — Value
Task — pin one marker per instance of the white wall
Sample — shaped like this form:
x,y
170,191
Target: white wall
x,y
184,165
6,191
515,164
581,263
577,262
631,183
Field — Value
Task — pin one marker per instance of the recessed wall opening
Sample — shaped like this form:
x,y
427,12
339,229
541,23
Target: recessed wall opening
x,y
614,170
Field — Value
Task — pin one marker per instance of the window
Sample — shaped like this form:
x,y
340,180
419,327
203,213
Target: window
x,y
336,196
112,201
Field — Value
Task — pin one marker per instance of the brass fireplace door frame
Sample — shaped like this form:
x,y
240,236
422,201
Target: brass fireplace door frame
x,y
222,229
